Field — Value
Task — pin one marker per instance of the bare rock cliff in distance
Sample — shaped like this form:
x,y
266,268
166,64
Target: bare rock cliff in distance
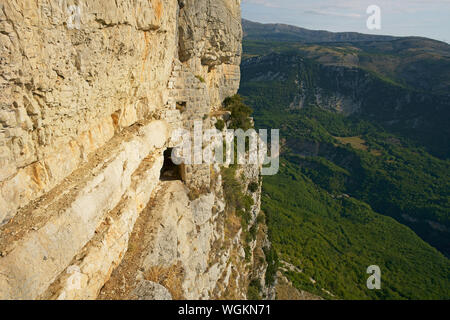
x,y
91,91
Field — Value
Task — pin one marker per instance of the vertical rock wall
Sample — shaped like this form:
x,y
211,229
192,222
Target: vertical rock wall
x,y
90,93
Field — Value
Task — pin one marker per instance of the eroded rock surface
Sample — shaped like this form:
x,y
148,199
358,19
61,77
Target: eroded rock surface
x,y
90,93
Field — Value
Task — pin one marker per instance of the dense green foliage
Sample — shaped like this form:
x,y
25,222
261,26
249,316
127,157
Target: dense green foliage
x,y
334,241
272,265
240,113
393,175
253,186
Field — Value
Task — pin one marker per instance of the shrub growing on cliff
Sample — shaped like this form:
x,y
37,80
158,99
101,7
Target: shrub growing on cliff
x,y
234,196
252,233
240,113
272,265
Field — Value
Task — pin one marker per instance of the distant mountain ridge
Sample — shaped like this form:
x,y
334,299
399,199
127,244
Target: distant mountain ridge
x,y
284,32
417,63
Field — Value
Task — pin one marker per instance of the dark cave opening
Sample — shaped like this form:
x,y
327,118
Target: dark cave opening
x,y
170,171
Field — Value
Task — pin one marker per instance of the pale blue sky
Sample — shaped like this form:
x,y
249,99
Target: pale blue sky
x,y
427,18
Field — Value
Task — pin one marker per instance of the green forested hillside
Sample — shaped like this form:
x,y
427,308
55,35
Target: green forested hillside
x,y
289,80
330,202
391,174
333,240
365,163
413,63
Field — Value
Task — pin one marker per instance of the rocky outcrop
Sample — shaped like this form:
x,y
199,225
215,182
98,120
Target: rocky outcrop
x,y
91,92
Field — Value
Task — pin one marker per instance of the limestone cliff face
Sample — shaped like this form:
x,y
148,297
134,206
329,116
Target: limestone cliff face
x,y
90,94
